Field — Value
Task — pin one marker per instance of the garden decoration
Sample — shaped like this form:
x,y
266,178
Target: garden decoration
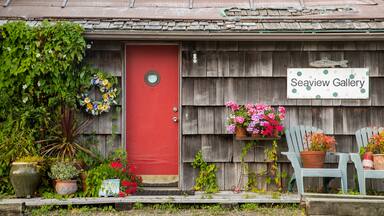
x,y
257,122
317,144
369,140
25,175
64,174
109,94
295,139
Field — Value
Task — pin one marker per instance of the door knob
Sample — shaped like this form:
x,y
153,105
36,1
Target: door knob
x,y
174,109
174,119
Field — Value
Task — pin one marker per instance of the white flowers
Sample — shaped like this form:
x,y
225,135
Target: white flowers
x,y
38,83
25,99
25,86
38,55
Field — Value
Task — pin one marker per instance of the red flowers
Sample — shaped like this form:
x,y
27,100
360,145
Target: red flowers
x,y
129,181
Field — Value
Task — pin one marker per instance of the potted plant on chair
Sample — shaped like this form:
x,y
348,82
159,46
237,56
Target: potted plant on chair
x,y
64,174
376,146
318,144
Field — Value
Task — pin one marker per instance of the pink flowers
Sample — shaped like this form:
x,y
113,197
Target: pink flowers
x,y
258,119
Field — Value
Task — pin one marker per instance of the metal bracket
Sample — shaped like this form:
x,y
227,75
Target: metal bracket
x,y
6,3
64,4
190,4
131,3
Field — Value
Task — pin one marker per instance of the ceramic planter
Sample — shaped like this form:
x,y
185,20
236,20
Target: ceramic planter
x,y
109,187
312,159
378,161
241,132
25,178
65,187
368,161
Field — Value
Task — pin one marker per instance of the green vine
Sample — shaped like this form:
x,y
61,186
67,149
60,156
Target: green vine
x,y
271,175
206,181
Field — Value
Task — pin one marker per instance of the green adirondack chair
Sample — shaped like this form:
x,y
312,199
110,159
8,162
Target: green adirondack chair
x,y
362,137
295,139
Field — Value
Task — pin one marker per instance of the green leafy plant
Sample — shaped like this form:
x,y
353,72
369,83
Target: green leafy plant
x,y
63,171
206,180
31,159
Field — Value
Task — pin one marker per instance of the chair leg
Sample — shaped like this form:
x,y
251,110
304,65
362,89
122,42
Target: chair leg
x,y
344,184
361,180
299,183
291,183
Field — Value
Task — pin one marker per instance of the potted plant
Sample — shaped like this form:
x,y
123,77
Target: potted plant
x,y
238,119
318,144
25,175
64,174
375,147
115,178
258,120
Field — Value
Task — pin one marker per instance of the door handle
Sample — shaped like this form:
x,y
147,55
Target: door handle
x,y
174,119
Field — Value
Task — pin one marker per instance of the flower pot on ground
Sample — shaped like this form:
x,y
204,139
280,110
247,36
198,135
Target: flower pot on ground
x,y
25,176
376,146
318,144
64,174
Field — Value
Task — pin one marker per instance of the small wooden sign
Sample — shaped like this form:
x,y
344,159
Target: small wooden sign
x,y
328,83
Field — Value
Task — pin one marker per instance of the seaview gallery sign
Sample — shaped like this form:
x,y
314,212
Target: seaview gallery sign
x,y
328,83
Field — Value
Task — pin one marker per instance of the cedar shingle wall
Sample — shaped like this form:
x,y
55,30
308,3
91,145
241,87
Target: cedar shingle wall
x,y
255,72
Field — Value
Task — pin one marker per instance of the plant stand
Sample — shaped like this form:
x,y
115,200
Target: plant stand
x,y
271,156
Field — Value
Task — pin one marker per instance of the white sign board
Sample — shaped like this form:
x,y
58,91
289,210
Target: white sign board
x,y
328,83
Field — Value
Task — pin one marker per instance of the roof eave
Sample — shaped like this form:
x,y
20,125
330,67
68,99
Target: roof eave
x,y
236,36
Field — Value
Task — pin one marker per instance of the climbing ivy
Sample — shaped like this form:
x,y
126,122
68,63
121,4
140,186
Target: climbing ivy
x,y
206,180
40,71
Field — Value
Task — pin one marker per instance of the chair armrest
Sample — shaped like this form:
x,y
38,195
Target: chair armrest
x,y
292,157
355,157
343,159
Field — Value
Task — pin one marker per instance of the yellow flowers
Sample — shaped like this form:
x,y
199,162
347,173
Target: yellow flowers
x,y
108,95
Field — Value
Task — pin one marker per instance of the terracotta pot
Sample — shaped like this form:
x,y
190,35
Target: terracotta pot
x,y
368,161
378,161
25,178
65,187
312,159
241,132
256,135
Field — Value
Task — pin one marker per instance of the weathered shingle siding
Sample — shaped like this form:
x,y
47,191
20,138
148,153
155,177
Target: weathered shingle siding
x,y
255,72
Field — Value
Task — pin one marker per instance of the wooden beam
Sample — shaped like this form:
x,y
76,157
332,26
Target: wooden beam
x,y
64,4
6,3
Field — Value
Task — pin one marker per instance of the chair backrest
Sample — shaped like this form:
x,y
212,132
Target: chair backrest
x,y
364,134
295,137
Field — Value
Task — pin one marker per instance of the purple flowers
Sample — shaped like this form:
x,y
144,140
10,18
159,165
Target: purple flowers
x,y
258,119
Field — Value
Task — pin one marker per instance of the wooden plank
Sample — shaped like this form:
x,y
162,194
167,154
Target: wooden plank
x,y
106,45
235,89
305,116
227,46
220,116
101,144
191,146
280,63
212,64
348,120
380,58
188,177
190,69
189,120
205,124
377,91
220,175
236,65
322,117
109,61
217,148
377,117
257,45
258,169
253,90
105,123
237,149
201,91
232,174
113,142
187,91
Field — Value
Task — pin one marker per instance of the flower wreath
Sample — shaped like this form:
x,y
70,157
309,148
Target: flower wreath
x,y
109,94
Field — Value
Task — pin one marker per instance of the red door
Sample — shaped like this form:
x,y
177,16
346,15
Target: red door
x,y
152,108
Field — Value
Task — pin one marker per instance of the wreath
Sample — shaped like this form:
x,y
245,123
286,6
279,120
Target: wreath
x,y
97,107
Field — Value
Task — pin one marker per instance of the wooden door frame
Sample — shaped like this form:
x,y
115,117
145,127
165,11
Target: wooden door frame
x,y
123,102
